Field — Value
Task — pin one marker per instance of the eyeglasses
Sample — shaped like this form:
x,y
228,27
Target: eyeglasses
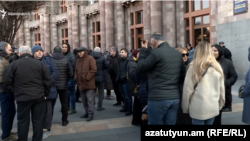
x,y
183,55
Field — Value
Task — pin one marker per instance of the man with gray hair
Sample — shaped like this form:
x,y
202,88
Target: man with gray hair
x,y
99,75
31,80
165,70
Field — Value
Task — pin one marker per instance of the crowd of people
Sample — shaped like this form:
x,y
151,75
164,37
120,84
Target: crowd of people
x,y
156,84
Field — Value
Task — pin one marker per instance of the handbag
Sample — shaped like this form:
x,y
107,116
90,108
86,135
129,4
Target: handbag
x,y
240,91
202,75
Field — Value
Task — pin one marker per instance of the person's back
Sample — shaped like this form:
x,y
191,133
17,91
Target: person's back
x,y
100,63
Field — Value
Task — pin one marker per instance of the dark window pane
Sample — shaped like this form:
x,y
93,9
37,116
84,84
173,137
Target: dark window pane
x,y
187,22
197,5
62,41
93,26
139,31
39,38
132,32
98,27
187,37
138,17
62,9
65,9
205,4
39,44
197,36
100,45
132,43
197,21
186,6
93,41
206,34
132,19
66,32
139,42
66,41
38,16
35,38
206,19
62,33
99,37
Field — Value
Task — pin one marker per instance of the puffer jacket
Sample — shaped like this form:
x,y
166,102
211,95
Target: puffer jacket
x,y
4,62
53,75
65,70
101,64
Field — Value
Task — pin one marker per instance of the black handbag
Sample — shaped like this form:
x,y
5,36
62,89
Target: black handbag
x,y
240,91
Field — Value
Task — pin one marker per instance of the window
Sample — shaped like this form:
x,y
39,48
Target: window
x,y
200,4
63,7
37,17
136,29
37,39
96,34
65,35
197,21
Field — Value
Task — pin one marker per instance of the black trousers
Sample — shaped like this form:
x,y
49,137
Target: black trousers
x,y
228,99
137,112
35,108
108,92
217,120
183,119
63,96
118,93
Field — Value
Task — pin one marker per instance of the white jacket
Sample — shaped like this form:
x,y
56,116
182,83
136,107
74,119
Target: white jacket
x,y
207,99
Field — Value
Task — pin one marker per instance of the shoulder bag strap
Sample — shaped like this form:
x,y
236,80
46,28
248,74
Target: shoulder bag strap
x,y
202,75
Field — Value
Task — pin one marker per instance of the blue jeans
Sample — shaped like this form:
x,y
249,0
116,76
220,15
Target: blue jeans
x,y
163,112
71,94
203,122
8,110
127,98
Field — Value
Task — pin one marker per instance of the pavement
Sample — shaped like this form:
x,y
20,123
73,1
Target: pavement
x,y
111,125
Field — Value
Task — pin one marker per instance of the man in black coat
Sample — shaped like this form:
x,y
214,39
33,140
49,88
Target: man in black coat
x,y
99,75
65,73
31,80
165,68
226,52
113,69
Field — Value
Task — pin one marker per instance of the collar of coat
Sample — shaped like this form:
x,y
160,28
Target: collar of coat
x,y
26,55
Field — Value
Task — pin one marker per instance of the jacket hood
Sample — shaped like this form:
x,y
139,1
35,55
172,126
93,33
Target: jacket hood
x,y
3,52
57,56
68,46
249,54
96,55
219,48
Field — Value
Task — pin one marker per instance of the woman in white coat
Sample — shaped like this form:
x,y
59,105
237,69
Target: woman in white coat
x,y
203,92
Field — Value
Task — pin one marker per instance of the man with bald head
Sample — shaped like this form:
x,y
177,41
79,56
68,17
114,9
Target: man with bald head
x,y
31,80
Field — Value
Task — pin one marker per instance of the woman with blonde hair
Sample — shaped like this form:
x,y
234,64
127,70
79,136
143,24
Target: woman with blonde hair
x,y
204,92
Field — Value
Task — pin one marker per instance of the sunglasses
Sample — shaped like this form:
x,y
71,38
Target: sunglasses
x,y
183,55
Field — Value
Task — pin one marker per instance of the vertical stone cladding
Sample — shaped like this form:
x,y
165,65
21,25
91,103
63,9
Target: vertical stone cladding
x,y
156,16
46,33
75,26
27,33
109,23
180,26
120,34
214,22
21,35
103,27
169,22
146,20
54,37
41,27
84,27
69,14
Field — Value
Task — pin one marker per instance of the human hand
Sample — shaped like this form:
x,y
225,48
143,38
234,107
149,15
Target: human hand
x,y
144,117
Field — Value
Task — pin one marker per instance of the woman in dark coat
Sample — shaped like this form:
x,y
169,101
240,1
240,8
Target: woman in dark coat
x,y
108,81
230,77
181,117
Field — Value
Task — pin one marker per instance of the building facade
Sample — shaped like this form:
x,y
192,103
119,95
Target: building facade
x,y
123,23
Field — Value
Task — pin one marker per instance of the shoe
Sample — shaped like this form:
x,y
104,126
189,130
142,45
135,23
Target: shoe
x,y
123,110
65,123
13,133
100,108
117,104
84,116
227,110
71,111
10,138
46,134
78,101
44,130
110,97
128,113
89,118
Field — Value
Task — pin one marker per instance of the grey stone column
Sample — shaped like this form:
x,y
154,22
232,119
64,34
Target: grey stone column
x,y
21,35
27,33
84,28
69,12
75,27
180,23
54,36
120,25
169,22
103,27
46,34
109,24
156,18
41,26
146,20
